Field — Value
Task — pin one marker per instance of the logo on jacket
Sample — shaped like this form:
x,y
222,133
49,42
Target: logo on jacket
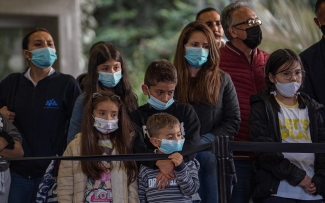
x,y
51,103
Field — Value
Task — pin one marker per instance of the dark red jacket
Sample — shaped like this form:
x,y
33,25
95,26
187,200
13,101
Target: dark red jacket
x,y
248,79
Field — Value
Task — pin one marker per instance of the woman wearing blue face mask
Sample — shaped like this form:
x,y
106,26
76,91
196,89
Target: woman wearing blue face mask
x,y
42,108
106,72
211,93
283,114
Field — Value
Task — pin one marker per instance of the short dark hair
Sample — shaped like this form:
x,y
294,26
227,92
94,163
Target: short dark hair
x,y
160,120
208,9
160,71
26,38
317,5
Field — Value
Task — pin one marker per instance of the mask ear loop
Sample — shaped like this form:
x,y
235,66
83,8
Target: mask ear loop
x,y
156,150
148,91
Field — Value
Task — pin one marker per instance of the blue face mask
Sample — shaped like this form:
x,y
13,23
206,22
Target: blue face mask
x,y
110,79
196,56
43,57
159,105
170,146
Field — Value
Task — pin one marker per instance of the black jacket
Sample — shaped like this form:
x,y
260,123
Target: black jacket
x,y
222,119
42,118
313,60
273,167
185,115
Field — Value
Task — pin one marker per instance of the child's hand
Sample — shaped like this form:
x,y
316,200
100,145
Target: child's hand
x,y
311,188
167,168
176,158
162,181
305,183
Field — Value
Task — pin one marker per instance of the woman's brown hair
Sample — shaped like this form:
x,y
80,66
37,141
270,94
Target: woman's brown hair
x,y
101,52
205,87
122,138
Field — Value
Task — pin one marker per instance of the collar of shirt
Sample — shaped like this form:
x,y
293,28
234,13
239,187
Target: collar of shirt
x,y
27,75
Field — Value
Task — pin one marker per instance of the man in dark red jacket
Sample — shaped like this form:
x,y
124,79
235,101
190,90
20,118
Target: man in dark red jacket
x,y
245,64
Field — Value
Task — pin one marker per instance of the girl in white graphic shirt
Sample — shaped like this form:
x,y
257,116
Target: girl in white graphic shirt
x,y
283,114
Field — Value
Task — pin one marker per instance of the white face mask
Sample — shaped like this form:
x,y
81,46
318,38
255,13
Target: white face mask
x,y
105,126
287,89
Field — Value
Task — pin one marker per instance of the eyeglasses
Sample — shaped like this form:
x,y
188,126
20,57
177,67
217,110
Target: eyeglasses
x,y
287,75
250,22
95,95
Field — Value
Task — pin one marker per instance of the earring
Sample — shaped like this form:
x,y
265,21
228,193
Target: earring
x,y
29,59
273,93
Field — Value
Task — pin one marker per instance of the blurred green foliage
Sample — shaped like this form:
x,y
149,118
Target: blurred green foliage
x,y
146,30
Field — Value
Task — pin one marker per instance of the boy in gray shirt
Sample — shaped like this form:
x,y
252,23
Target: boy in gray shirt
x,y
165,134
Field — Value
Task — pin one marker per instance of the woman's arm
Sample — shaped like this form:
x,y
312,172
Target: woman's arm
x,y
17,151
231,113
76,118
11,131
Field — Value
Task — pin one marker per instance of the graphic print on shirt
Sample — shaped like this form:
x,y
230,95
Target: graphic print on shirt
x,y
152,182
294,123
146,134
101,190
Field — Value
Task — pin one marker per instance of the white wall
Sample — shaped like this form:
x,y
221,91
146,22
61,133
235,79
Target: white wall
x,y
60,17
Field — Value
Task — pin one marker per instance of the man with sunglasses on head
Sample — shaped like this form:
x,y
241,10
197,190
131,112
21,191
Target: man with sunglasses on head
x,y
245,63
313,60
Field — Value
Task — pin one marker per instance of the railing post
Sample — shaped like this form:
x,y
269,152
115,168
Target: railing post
x,y
223,171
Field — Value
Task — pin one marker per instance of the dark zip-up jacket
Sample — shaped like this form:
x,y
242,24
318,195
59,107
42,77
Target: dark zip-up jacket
x,y
190,127
42,118
313,60
223,118
273,167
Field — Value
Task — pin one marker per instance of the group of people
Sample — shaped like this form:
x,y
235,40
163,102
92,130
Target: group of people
x,y
211,89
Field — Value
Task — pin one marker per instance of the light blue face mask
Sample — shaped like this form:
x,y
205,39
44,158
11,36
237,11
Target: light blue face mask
x,y
170,146
196,56
110,79
43,57
159,105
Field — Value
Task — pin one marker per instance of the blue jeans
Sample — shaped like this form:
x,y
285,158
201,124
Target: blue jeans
x,y
208,190
243,190
23,190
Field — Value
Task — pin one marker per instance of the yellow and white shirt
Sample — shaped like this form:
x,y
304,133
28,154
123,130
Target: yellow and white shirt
x,y
294,128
